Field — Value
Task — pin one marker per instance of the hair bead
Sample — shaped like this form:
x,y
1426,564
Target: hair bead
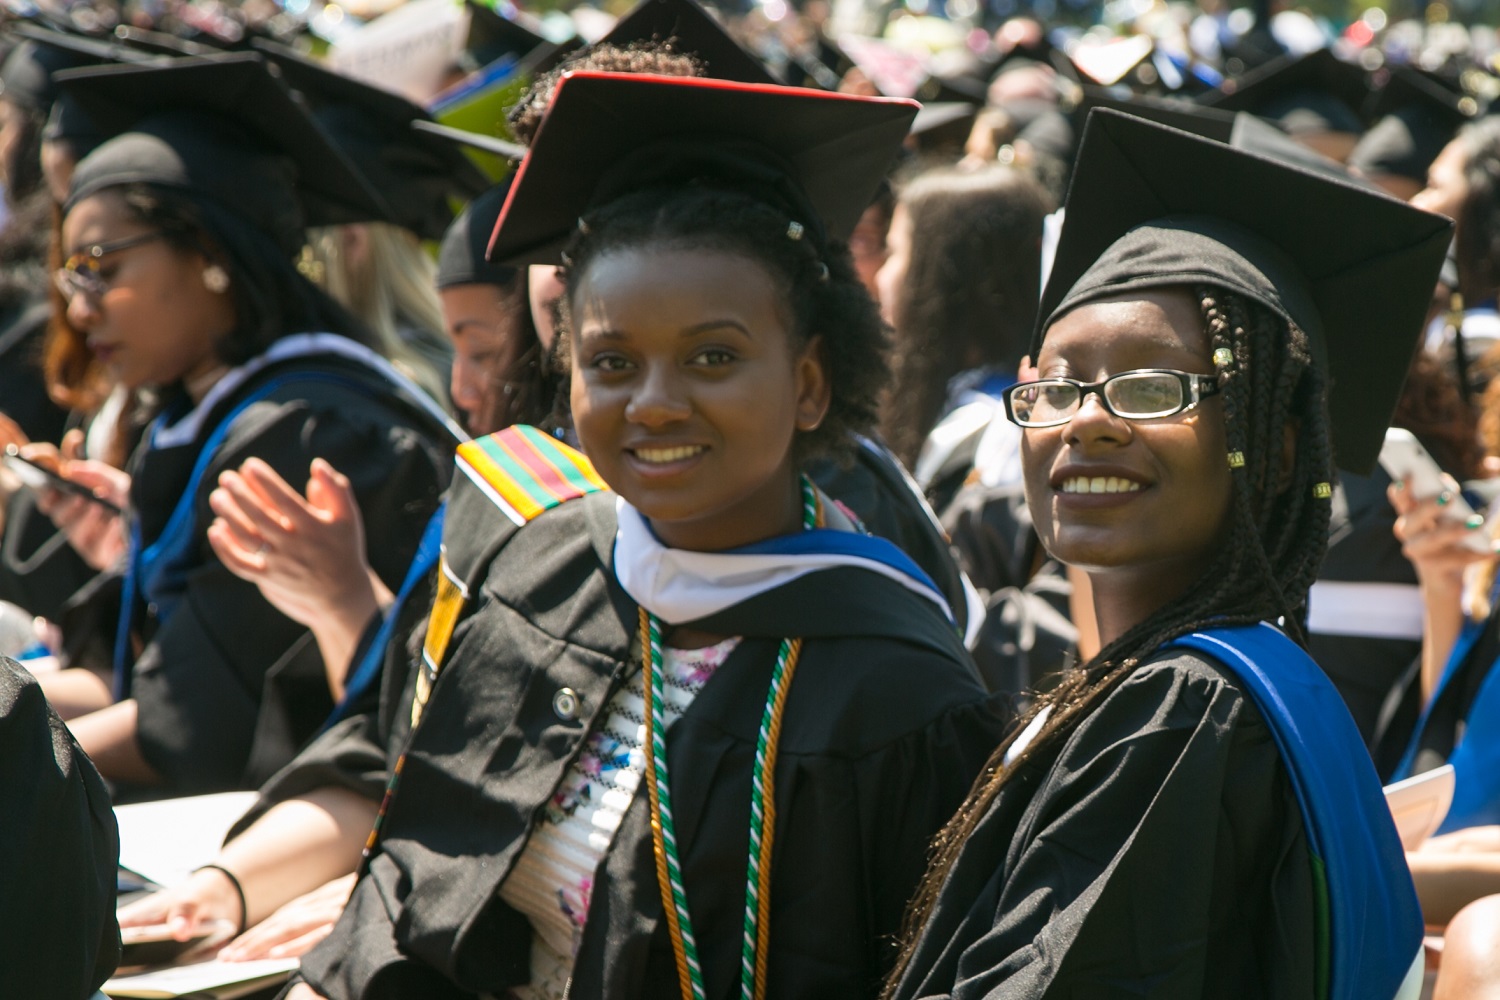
x,y
1236,459
1223,357
1322,491
794,230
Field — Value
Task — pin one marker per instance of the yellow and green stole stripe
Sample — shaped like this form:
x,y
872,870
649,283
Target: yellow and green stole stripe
x,y
525,472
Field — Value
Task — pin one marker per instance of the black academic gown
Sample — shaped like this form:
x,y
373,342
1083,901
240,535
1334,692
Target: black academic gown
x,y
874,486
58,936
23,387
885,728
1156,851
229,688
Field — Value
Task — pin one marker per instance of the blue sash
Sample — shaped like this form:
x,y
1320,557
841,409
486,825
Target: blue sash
x,y
156,574
1476,757
367,673
1372,925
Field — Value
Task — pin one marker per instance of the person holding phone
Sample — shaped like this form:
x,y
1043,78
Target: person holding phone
x,y
178,239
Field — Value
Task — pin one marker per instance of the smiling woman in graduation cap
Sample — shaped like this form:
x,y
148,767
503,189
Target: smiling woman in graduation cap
x,y
179,235
687,734
1192,813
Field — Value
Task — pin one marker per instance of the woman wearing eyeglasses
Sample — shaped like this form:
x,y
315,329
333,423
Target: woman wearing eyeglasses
x,y
1192,813
178,236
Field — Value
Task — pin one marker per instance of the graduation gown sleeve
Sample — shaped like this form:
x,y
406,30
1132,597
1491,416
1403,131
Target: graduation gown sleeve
x,y
228,687
60,847
1158,852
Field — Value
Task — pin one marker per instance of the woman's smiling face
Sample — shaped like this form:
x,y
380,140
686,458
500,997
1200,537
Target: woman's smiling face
x,y
1165,490
689,387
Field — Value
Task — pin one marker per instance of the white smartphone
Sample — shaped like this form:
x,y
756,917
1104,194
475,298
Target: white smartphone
x,y
1405,460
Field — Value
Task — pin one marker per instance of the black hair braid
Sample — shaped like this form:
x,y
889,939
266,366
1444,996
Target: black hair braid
x,y
822,292
1269,556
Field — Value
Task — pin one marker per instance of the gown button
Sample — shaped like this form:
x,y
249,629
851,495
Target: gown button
x,y
565,704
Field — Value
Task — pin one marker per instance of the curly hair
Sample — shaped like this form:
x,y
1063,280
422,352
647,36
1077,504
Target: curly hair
x,y
638,57
1279,531
1477,233
969,296
823,293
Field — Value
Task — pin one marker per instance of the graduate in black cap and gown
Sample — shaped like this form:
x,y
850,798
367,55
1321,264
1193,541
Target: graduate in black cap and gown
x,y
58,853
597,663
185,224
1192,812
669,37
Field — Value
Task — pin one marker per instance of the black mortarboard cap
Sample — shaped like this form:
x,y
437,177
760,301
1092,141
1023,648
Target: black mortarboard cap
x,y
690,29
1415,117
462,258
223,128
415,173
1044,128
1309,93
494,36
1211,123
27,76
941,124
1154,207
161,43
819,156
1239,129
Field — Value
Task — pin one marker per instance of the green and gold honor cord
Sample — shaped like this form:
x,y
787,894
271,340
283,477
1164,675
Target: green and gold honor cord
x,y
762,806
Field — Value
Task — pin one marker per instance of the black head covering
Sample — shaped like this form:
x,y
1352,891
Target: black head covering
x,y
1317,92
27,76
415,173
462,258
1239,129
162,44
493,36
818,156
688,28
222,129
1415,117
69,123
1152,207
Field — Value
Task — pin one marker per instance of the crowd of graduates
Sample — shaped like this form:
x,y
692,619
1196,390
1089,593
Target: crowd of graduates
x,y
792,502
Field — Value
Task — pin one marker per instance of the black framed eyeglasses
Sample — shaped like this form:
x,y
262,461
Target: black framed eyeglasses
x,y
79,274
1143,394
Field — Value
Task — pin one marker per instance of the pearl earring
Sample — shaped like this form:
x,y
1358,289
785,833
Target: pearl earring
x,y
216,279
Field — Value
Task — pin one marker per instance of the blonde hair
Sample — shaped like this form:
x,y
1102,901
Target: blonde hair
x,y
392,290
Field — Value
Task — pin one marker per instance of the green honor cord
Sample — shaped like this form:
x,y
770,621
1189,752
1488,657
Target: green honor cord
x,y
762,807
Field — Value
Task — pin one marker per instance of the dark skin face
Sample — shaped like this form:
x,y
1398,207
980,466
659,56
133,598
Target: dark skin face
x,y
689,388
1148,539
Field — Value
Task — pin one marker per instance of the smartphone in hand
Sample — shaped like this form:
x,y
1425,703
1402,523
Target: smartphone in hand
x,y
1405,460
37,476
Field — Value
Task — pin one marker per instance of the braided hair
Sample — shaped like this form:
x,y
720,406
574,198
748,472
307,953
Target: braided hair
x,y
821,291
1279,530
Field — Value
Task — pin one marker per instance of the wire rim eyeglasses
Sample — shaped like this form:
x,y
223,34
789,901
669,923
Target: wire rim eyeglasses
x,y
1142,394
79,274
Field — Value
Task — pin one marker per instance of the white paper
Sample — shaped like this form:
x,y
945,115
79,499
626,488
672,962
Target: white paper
x,y
167,840
177,980
1420,804
408,51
